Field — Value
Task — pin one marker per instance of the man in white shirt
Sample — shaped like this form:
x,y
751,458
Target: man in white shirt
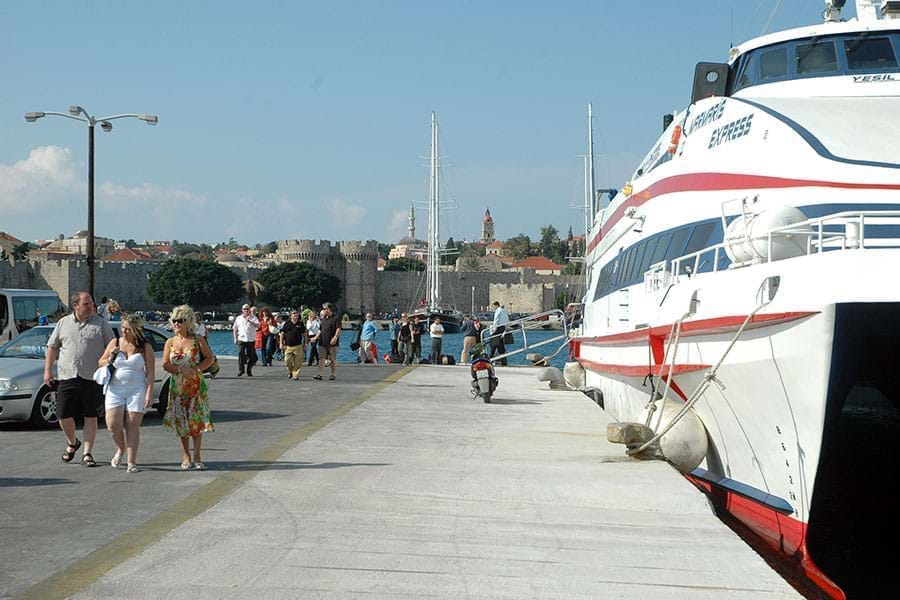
x,y
437,339
501,318
244,330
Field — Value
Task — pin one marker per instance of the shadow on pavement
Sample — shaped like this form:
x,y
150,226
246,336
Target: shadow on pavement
x,y
501,401
255,465
32,481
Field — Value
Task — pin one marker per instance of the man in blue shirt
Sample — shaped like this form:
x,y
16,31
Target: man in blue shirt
x,y
367,350
501,318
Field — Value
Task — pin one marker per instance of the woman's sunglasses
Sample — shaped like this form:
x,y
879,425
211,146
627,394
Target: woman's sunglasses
x,y
178,321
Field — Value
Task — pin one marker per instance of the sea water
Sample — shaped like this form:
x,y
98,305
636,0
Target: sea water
x,y
222,343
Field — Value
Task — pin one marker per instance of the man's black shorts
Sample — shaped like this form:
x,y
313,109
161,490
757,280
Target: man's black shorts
x,y
78,398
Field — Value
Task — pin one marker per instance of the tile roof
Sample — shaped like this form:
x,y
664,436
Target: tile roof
x,y
537,263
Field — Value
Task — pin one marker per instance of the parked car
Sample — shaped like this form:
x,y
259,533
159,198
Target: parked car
x,y
23,395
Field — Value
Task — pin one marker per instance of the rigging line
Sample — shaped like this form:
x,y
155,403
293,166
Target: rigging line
x,y
771,16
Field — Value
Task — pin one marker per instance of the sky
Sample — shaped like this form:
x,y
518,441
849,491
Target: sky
x,y
311,120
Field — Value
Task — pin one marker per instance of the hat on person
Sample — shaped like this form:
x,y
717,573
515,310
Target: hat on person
x,y
245,306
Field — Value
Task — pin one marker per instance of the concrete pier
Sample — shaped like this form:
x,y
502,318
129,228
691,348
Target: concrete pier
x,y
416,490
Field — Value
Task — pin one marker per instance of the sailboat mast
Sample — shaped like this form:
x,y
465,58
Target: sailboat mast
x,y
590,197
434,221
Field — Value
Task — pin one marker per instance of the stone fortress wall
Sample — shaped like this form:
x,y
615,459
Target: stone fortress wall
x,y
355,263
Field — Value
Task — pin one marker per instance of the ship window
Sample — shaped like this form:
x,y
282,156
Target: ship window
x,y
638,259
626,268
773,64
662,244
816,57
676,247
698,241
870,53
747,71
648,254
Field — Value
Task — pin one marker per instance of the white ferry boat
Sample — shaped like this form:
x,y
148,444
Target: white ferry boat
x,y
746,276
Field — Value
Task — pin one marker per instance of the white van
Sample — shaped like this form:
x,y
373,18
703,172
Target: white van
x,y
22,309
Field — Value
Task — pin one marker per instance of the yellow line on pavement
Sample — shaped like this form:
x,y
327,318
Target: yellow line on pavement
x,y
90,568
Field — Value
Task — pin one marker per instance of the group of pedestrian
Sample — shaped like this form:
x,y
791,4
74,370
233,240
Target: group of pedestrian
x,y
258,336
96,366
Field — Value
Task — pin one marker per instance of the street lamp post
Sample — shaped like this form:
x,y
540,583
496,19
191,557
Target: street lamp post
x,y
473,300
79,114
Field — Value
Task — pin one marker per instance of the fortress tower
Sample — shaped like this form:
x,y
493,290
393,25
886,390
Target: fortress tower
x,y
355,263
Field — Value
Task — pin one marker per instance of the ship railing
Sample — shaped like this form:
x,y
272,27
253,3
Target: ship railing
x,y
532,322
844,231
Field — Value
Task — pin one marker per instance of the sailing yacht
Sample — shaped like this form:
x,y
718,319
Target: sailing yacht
x,y
451,318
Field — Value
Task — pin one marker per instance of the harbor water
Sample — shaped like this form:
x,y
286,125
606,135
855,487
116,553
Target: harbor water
x,y
222,344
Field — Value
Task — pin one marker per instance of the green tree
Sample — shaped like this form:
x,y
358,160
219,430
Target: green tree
x,y
270,248
551,246
451,253
471,262
384,250
20,251
199,283
296,283
404,263
563,299
518,247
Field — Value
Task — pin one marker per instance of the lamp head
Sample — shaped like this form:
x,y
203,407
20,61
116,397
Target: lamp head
x,y
106,126
149,119
75,110
31,117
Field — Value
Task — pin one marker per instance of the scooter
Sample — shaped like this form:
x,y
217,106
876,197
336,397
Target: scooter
x,y
484,382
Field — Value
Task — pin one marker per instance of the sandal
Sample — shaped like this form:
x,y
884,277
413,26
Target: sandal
x,y
133,468
68,455
116,460
200,466
185,465
332,378
317,377
88,461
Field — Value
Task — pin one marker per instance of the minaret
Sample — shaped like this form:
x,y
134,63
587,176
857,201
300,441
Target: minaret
x,y
487,228
412,222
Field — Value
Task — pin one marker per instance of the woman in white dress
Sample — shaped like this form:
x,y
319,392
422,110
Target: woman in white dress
x,y
130,390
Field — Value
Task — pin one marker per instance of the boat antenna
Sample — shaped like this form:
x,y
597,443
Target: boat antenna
x,y
590,195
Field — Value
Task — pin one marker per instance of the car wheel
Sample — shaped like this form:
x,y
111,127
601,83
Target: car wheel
x,y
163,403
44,411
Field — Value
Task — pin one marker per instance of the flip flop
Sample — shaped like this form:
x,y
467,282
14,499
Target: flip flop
x,y
68,455
116,460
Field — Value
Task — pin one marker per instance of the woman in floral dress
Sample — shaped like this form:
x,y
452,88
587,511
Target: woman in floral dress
x,y
185,357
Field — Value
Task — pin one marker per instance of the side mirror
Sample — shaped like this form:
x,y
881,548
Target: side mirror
x,y
710,79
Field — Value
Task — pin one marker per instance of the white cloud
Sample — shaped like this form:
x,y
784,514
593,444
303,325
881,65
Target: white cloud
x,y
345,215
399,227
45,176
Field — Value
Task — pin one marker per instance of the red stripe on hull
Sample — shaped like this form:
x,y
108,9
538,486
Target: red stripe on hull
x,y
710,182
692,328
639,370
785,535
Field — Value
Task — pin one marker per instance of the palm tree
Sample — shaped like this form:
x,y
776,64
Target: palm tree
x,y
252,288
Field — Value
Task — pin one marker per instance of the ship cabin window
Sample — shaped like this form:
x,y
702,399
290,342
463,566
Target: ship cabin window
x,y
870,53
629,266
773,64
816,57
822,56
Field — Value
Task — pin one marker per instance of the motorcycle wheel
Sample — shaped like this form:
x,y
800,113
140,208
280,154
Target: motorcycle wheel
x,y
486,398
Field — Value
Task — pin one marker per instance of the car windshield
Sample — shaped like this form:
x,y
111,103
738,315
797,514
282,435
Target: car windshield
x,y
30,344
